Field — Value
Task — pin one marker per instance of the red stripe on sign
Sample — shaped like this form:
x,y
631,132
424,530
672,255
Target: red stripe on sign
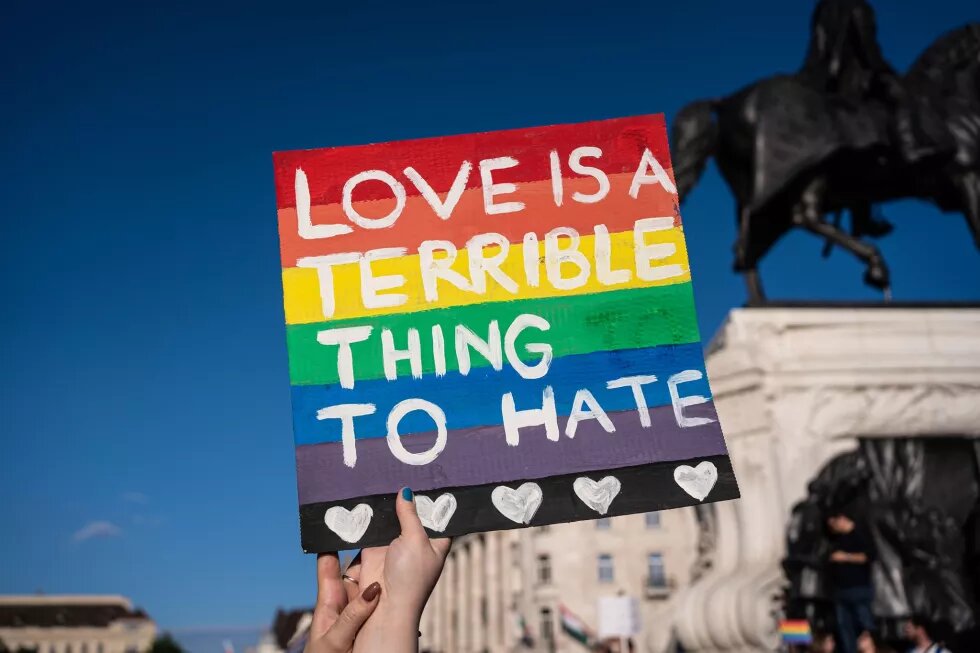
x,y
438,160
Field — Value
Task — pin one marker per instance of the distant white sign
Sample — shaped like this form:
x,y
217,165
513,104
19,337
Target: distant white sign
x,y
619,616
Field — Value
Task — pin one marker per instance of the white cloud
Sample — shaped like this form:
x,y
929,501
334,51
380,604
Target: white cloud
x,y
95,529
135,497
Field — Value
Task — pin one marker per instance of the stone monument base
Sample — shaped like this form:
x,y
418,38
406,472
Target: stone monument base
x,y
795,386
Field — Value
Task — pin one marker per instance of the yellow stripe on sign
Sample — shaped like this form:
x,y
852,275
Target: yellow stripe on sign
x,y
658,266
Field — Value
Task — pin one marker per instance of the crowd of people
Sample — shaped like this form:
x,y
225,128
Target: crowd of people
x,y
852,589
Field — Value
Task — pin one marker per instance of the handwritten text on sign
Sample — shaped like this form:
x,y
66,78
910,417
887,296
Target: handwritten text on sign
x,y
447,294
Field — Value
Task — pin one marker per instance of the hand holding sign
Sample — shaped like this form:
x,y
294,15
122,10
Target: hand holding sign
x,y
406,571
477,316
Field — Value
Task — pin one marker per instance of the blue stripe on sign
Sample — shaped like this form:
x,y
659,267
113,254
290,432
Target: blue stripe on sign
x,y
474,400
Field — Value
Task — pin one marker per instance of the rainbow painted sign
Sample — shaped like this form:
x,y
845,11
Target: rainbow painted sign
x,y
502,322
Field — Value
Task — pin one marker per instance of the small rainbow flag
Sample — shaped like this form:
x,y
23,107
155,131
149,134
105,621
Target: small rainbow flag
x,y
795,631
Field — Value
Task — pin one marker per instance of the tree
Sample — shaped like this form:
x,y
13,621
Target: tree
x,y
166,644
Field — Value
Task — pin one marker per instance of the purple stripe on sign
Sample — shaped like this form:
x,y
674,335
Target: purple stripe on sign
x,y
478,455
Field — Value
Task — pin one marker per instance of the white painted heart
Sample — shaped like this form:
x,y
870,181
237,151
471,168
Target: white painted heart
x,y
435,515
697,481
350,525
518,505
599,495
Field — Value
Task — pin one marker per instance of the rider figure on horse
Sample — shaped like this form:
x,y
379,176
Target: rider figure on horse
x,y
845,59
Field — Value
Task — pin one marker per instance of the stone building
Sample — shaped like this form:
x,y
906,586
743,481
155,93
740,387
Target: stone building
x,y
74,624
502,591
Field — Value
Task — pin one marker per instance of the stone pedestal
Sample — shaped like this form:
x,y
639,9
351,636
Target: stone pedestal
x,y
795,387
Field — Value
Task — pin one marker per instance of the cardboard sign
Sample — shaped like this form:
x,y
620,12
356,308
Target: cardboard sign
x,y
502,322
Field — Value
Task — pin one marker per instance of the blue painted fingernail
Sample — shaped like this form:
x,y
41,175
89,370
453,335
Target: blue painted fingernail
x,y
407,494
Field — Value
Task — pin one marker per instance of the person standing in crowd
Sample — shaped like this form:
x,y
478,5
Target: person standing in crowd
x,y
822,643
919,631
850,572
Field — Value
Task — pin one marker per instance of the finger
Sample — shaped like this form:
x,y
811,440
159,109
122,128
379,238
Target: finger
x,y
341,635
352,577
330,593
408,517
373,565
441,546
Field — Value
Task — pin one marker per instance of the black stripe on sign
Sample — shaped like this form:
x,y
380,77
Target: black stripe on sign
x,y
645,488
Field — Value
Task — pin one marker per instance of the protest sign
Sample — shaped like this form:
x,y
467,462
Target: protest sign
x,y
503,322
619,617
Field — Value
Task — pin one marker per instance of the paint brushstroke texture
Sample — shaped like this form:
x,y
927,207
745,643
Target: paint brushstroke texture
x,y
484,310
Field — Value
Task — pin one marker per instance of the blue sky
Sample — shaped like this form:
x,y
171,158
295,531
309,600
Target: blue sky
x,y
144,409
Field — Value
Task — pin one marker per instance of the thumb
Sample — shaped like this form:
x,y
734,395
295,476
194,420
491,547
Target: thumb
x,y
341,635
408,517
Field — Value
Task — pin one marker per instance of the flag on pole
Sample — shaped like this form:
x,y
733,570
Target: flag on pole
x,y
524,637
574,627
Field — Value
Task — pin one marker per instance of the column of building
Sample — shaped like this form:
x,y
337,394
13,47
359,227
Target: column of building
x,y
492,572
463,582
507,577
445,615
448,582
477,591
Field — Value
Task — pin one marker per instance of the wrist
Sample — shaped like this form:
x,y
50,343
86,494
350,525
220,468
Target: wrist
x,y
399,618
391,629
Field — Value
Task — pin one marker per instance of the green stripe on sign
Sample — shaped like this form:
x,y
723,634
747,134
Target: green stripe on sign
x,y
622,319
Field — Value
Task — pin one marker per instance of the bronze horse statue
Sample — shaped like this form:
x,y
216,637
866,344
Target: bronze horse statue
x,y
793,154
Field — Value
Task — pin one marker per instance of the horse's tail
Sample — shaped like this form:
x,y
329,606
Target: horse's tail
x,y
693,136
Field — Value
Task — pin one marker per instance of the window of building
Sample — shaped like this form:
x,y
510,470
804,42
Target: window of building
x,y
653,519
84,647
656,577
605,568
99,648
483,611
547,626
68,648
544,568
603,524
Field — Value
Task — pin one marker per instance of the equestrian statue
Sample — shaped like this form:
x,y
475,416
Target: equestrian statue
x,y
844,133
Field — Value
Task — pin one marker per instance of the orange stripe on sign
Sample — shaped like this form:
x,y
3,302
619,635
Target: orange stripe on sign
x,y
418,222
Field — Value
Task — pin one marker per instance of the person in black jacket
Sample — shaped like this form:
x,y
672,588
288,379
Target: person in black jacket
x,y
849,570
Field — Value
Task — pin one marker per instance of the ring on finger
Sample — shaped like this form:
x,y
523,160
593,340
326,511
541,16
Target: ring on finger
x,y
349,579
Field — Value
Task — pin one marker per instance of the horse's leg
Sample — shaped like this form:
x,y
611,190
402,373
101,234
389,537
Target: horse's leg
x,y
742,241
970,190
750,273
808,213
754,285
877,273
829,245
